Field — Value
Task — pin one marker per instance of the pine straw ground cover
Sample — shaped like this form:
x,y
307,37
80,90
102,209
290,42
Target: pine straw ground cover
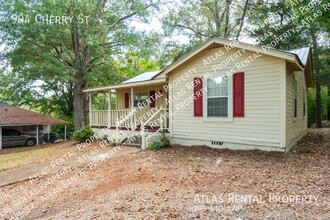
x,y
194,183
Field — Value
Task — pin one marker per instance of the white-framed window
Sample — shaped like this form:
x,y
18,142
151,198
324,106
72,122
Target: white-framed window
x,y
140,97
218,98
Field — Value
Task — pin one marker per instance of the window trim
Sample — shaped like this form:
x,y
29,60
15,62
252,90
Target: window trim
x,y
230,102
135,93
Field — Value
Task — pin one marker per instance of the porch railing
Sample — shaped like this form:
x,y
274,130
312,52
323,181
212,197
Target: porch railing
x,y
159,118
107,118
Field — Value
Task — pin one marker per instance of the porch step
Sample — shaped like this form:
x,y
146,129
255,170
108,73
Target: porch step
x,y
134,140
133,145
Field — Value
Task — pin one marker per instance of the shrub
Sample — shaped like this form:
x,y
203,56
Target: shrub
x,y
83,134
162,143
319,137
302,149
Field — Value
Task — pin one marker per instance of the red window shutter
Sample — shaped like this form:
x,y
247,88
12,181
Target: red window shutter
x,y
198,94
152,99
238,90
126,100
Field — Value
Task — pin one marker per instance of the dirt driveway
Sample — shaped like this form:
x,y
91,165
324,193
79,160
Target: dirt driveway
x,y
175,183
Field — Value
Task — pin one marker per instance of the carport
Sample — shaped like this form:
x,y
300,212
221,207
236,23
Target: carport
x,y
26,121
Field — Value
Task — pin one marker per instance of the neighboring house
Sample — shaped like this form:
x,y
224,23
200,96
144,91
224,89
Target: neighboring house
x,y
263,105
25,122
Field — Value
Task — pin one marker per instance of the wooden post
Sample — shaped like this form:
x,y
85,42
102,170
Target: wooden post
x,y
37,134
132,107
116,99
90,108
65,132
109,109
132,98
161,118
0,137
143,136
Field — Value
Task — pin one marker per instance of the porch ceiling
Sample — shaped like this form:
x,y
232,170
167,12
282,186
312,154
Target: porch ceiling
x,y
129,85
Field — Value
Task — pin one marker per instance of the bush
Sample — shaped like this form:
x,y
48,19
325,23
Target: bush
x,y
162,143
319,137
83,134
302,149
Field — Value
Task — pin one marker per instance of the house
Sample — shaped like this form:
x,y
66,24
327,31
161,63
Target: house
x,y
222,94
25,121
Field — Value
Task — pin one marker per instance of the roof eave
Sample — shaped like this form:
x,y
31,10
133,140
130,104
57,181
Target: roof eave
x,y
135,84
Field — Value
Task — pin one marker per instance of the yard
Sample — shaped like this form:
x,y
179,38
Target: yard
x,y
63,181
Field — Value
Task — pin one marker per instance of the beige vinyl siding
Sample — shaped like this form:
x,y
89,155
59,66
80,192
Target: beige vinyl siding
x,y
295,127
261,124
161,76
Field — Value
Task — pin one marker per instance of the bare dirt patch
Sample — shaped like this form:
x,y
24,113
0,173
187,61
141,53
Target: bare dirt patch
x,y
20,157
185,183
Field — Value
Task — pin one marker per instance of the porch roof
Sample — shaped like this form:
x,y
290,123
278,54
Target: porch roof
x,y
129,84
142,77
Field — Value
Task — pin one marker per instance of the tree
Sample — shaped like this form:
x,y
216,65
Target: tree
x,y
273,20
315,24
201,19
72,52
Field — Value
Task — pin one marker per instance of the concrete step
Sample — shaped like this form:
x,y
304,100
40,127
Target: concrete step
x,y
134,139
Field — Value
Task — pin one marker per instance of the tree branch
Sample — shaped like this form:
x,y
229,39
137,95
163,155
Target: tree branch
x,y
191,29
126,17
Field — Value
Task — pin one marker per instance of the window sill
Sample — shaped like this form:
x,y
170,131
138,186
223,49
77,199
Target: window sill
x,y
218,119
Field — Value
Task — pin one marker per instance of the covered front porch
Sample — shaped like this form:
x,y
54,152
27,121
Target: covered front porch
x,y
134,107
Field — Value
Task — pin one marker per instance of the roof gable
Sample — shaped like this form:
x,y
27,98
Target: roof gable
x,y
291,57
302,53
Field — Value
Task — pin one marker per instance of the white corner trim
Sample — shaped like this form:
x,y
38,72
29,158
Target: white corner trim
x,y
283,89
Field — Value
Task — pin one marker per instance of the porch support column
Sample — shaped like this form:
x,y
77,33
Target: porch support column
x,y
116,99
132,107
90,108
0,138
132,98
37,134
65,132
109,109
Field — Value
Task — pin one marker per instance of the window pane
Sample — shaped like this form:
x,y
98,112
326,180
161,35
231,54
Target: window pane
x,y
217,107
224,91
217,87
136,103
210,92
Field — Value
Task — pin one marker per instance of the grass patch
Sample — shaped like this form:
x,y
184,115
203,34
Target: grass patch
x,y
319,138
302,149
162,143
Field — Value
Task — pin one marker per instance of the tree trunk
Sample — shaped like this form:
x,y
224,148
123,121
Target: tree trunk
x,y
242,19
318,111
80,103
328,106
228,3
